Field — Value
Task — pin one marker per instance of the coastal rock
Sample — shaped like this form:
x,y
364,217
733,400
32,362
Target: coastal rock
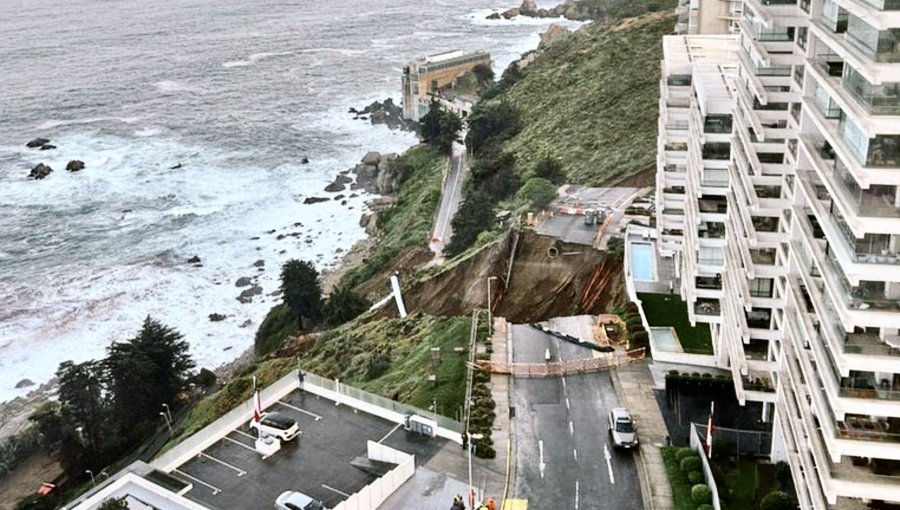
x,y
494,15
371,158
243,281
387,113
76,165
37,142
314,200
216,317
175,167
247,295
552,35
246,323
338,184
259,263
510,13
528,8
24,383
194,260
40,171
47,147
304,161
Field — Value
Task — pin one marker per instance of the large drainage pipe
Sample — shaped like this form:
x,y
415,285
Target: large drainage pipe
x,y
553,250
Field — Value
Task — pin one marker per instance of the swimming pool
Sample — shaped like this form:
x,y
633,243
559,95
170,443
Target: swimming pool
x,y
642,262
665,339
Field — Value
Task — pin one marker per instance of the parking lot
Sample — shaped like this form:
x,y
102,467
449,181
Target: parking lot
x,y
231,474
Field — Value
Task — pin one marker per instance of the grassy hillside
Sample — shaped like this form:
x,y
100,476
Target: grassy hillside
x,y
591,100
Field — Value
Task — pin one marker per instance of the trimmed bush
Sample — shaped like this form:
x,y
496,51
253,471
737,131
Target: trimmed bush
x,y
777,500
705,506
695,477
684,452
700,494
689,464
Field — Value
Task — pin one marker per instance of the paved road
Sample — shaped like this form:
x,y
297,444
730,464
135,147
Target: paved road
x,y
450,199
567,415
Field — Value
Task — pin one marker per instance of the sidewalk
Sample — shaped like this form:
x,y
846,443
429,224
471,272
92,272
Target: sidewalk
x,y
500,388
634,388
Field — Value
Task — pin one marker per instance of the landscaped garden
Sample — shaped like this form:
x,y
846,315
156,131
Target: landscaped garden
x,y
668,310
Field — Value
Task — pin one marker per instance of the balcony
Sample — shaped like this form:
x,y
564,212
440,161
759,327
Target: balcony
x,y
675,190
679,169
832,64
708,307
717,124
711,230
677,125
881,99
763,257
865,385
879,46
864,428
765,223
713,206
708,282
883,5
758,382
717,151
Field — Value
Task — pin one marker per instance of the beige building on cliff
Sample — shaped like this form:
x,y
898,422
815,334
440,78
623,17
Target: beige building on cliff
x,y
430,75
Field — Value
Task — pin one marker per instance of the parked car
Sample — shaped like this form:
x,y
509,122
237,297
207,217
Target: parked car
x,y
622,429
278,425
293,500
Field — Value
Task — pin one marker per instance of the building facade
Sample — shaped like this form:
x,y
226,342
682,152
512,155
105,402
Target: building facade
x,y
708,16
806,308
426,76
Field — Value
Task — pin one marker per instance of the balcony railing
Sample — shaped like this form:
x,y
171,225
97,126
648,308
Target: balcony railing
x,y
884,5
881,99
677,125
679,169
707,307
832,64
867,429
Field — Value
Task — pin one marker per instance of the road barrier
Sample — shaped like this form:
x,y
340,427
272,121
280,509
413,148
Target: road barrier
x,y
564,367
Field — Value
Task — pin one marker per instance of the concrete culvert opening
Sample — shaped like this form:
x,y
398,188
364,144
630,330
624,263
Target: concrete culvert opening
x,y
553,250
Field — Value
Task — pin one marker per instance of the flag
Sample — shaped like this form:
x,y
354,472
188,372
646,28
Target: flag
x,y
257,405
709,430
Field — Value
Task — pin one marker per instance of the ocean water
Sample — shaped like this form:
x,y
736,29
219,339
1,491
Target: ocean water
x,y
236,93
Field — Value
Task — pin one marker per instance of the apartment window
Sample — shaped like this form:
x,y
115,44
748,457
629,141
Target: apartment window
x,y
679,80
799,72
795,111
881,99
759,318
767,191
804,4
762,287
769,106
716,150
879,45
783,34
717,124
778,88
771,157
802,35
765,223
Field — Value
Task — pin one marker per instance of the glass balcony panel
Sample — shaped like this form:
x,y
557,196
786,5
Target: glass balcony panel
x,y
832,64
881,99
716,150
679,80
717,124
879,45
884,5
763,257
707,307
711,230
883,151
870,385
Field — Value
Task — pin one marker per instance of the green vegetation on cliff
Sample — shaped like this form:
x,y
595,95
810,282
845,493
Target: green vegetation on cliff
x,y
590,100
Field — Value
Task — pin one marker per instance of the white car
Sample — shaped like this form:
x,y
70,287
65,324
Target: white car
x,y
293,500
276,424
622,429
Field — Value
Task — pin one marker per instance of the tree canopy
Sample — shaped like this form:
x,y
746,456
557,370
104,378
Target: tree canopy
x,y
440,127
343,305
301,290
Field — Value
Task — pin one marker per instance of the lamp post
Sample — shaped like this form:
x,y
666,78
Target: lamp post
x,y
93,482
490,319
168,423
168,411
472,438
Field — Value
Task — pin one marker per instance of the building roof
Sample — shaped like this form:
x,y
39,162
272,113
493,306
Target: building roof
x,y
712,62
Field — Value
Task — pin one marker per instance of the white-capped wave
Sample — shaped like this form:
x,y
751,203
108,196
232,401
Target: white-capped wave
x,y
55,123
256,57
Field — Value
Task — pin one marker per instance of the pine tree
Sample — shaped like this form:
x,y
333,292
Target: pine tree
x,y
440,128
343,305
301,290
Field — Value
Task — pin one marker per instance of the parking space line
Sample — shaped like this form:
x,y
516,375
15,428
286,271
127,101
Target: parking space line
x,y
304,411
239,443
215,490
342,493
240,472
241,432
389,433
571,428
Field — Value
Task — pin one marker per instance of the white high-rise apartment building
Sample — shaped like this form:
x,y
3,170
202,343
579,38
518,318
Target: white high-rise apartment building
x,y
806,308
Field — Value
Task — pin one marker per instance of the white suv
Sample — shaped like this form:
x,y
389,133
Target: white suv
x,y
293,500
622,429
278,425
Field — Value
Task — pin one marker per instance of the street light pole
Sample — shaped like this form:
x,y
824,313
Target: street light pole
x,y
88,471
168,423
472,438
490,318
168,411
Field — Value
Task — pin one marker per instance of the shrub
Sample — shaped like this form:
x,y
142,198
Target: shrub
x,y
537,193
777,500
684,452
689,464
705,506
205,378
707,375
700,494
695,477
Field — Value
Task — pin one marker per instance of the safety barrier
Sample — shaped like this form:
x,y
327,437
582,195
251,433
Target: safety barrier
x,y
565,367
373,495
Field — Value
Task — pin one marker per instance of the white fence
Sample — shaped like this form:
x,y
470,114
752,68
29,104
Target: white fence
x,y
697,445
333,390
373,495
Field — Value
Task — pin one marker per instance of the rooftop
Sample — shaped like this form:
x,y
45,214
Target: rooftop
x,y
711,60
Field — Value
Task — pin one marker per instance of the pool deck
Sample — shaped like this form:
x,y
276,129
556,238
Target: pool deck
x,y
665,272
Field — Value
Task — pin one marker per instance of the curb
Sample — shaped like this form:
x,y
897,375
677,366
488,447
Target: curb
x,y
643,475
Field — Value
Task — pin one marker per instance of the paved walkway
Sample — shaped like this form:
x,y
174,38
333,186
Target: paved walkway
x,y
634,388
500,391
451,196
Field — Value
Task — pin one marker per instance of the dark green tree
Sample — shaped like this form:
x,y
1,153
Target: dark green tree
x,y
537,193
494,173
50,426
550,168
492,121
83,409
144,373
475,215
615,248
301,290
343,305
114,504
440,128
484,74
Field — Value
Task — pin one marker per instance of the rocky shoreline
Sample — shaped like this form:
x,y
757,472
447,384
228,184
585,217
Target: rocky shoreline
x,y
570,9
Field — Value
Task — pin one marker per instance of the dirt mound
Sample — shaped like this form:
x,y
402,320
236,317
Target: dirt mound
x,y
574,280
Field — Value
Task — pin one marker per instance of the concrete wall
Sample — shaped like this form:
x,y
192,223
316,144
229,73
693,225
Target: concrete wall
x,y
374,494
697,445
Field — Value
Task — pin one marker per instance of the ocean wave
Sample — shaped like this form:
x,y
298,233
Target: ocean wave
x,y
256,57
55,123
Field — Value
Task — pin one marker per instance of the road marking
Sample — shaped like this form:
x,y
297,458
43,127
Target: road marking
x,y
304,411
575,453
239,443
542,465
215,490
241,432
563,381
571,428
342,493
240,472
576,494
389,433
612,478
567,403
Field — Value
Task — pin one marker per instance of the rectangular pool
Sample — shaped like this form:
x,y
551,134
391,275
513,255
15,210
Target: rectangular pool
x,y
642,260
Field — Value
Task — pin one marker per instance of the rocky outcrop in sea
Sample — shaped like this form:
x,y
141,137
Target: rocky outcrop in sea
x,y
384,112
